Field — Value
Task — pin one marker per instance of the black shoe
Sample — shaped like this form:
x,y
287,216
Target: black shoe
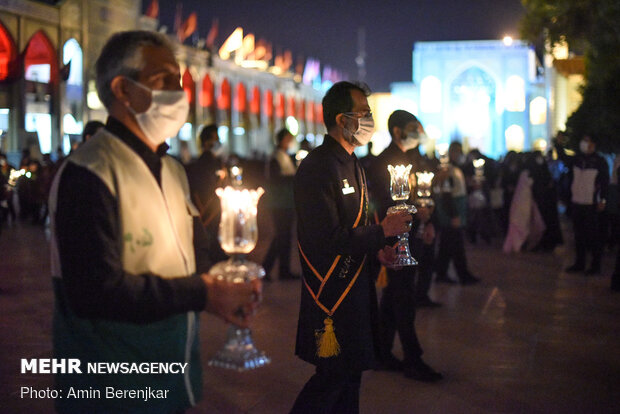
x,y
426,302
419,371
593,271
444,279
389,363
574,269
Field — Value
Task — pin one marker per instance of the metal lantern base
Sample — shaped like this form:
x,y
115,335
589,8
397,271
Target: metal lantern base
x,y
239,352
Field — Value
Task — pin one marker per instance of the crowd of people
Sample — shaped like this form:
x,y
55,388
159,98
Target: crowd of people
x,y
131,268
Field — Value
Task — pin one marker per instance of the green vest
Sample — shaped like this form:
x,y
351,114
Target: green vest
x,y
157,231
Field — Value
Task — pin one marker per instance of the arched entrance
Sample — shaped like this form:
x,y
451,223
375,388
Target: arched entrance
x,y
40,74
71,106
472,101
8,72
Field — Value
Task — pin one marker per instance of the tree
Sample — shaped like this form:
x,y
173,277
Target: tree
x,y
591,28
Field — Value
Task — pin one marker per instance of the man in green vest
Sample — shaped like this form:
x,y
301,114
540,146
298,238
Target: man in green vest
x,y
128,253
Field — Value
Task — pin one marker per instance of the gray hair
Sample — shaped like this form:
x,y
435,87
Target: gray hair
x,y
121,56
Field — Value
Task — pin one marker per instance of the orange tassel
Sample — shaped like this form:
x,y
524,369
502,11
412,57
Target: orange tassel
x,y
326,343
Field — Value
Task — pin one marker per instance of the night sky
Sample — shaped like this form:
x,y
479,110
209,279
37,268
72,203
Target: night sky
x,y
327,30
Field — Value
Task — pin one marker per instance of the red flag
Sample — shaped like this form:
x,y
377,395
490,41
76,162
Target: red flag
x,y
210,40
188,27
153,10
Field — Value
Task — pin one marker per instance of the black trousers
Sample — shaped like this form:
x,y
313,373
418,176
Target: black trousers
x,y
425,255
329,391
397,314
280,247
451,247
587,235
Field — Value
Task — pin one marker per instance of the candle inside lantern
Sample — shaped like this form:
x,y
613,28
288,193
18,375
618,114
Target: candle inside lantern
x,y
399,181
479,166
442,151
424,181
238,227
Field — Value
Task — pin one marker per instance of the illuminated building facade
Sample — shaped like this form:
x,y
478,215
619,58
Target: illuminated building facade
x,y
47,88
492,95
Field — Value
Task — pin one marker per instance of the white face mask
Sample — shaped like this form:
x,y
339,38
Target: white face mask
x,y
411,140
365,129
165,116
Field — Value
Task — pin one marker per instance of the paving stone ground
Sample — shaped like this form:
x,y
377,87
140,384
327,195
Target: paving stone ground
x,y
528,339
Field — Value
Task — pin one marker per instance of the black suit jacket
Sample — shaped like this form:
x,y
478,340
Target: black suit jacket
x,y
335,243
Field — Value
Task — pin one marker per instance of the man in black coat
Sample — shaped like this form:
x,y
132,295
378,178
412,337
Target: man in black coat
x,y
204,176
589,186
335,331
398,301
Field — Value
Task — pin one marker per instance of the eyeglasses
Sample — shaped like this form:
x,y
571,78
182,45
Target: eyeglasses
x,y
358,115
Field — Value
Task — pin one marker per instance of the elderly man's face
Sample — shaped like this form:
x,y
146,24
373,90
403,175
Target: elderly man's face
x,y
160,72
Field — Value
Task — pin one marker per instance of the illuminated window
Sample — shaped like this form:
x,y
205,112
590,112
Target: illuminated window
x,y
515,138
70,125
92,97
538,111
185,133
42,125
430,95
515,94
72,54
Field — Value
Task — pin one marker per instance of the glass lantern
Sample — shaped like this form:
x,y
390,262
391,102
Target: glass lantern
x,y
400,188
238,234
423,189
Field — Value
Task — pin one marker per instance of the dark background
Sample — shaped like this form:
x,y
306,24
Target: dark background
x,y
327,30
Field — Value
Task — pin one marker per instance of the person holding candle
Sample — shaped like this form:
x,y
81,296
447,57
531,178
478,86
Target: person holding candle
x,y
337,327
129,257
400,296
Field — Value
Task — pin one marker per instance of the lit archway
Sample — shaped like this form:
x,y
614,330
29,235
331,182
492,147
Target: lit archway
x,y
279,105
255,101
515,94
40,59
241,98
207,92
223,101
515,138
538,111
472,101
8,54
189,86
268,104
72,56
